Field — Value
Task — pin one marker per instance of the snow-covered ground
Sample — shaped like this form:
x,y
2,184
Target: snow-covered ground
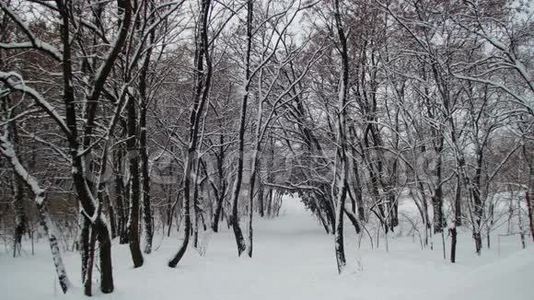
x,y
293,259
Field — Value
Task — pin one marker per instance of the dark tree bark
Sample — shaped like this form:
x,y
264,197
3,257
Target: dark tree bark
x,y
21,222
453,231
71,132
106,265
147,209
133,159
530,207
357,186
453,243
529,194
261,209
477,201
458,202
220,189
252,186
122,203
197,186
437,200
270,202
78,139
17,183
111,213
240,241
437,195
353,219
89,262
341,151
85,235
202,87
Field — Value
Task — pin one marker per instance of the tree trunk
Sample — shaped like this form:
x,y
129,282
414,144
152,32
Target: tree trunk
x,y
196,203
78,171
529,194
341,151
240,241
437,205
453,243
89,262
353,219
200,97
530,207
46,223
437,197
111,213
270,202
261,209
477,237
133,165
339,242
20,214
458,202
358,190
251,188
187,231
122,209
6,148
453,230
221,189
106,266
18,190
85,245
217,215
477,201
147,210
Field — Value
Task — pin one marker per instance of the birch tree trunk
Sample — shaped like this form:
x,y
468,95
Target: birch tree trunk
x,y
7,150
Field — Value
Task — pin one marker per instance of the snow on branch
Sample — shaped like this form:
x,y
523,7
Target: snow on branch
x,y
7,150
34,42
519,99
14,81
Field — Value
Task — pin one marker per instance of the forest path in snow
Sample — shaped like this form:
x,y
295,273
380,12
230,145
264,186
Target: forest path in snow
x,y
293,259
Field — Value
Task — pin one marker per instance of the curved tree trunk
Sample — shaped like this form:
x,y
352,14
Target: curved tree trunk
x,y
202,86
